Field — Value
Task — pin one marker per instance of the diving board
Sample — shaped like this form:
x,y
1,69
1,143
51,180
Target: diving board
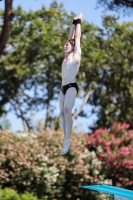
x,y
120,198
120,192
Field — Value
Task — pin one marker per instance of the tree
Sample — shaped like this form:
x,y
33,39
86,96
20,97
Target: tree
x,y
37,67
4,123
8,16
31,73
109,71
125,5
32,60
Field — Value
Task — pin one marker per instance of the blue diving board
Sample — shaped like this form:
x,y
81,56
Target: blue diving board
x,y
111,190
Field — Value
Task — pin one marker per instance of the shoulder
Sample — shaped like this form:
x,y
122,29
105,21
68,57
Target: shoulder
x,y
77,56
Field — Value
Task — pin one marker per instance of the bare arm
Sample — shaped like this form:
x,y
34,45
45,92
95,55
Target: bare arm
x,y
72,32
77,48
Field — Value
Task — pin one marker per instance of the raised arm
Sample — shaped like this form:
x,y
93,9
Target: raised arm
x,y
77,48
72,32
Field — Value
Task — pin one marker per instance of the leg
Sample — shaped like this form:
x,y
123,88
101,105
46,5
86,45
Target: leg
x,y
68,105
61,106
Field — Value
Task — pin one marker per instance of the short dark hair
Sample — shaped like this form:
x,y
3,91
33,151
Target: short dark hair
x,y
71,41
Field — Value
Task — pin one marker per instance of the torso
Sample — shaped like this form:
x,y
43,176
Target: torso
x,y
70,68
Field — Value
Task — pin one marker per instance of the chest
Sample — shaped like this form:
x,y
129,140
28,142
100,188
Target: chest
x,y
68,63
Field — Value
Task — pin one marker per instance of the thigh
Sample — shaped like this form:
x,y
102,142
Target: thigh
x,y
70,98
61,99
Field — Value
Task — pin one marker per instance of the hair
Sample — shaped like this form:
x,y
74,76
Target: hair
x,y
71,41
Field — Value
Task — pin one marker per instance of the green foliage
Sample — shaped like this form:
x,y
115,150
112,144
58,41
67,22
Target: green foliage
x,y
10,194
31,63
4,122
32,162
109,71
30,77
28,196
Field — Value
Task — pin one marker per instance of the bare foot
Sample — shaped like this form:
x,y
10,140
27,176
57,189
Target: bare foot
x,y
66,147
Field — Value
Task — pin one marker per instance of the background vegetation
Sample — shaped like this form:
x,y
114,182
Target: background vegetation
x,y
30,81
30,77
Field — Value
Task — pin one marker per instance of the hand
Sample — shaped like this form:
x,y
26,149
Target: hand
x,y
79,16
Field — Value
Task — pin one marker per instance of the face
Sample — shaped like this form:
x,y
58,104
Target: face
x,y
68,47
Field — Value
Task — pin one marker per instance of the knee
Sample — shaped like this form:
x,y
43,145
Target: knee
x,y
61,113
66,111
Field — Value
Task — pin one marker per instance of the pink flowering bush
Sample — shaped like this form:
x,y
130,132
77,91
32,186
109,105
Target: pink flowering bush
x,y
114,148
32,162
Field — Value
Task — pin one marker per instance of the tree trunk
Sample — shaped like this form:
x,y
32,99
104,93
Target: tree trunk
x,y
7,24
47,115
24,125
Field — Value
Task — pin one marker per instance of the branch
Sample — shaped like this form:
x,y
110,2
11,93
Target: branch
x,y
128,3
115,4
8,16
84,102
21,115
113,99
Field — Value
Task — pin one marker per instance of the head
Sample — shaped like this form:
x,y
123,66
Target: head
x,y
69,46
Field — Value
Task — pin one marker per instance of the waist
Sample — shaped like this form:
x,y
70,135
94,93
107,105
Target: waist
x,y
67,81
70,84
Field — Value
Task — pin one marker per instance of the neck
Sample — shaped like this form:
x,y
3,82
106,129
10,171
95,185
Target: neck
x,y
67,54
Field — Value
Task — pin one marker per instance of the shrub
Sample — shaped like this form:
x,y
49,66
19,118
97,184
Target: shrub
x,y
28,196
114,148
32,162
10,194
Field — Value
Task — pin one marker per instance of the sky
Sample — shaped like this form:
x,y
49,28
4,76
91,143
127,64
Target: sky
x,y
90,14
